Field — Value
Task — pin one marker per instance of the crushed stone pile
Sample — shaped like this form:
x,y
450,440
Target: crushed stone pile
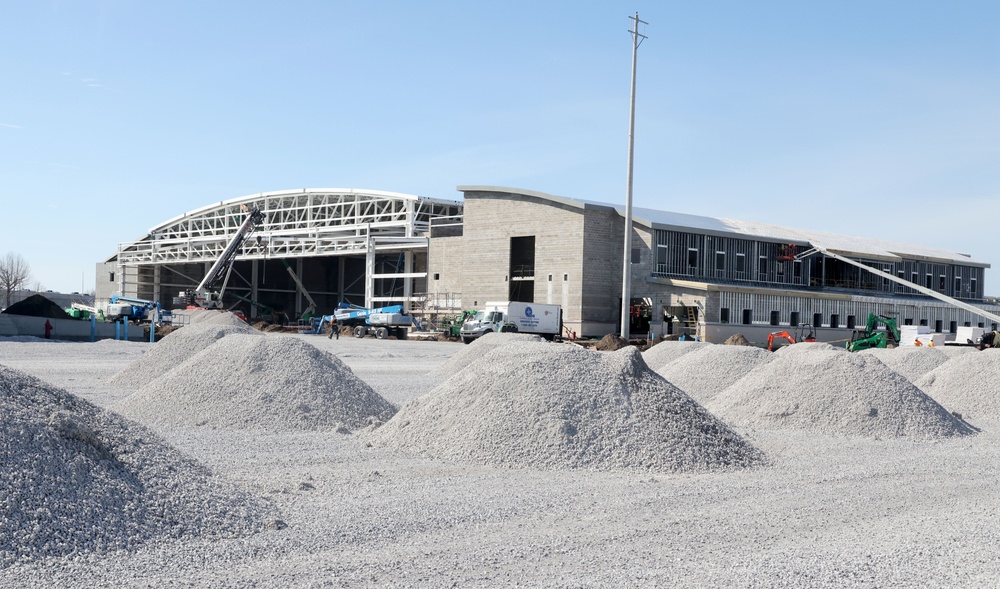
x,y
172,350
831,391
707,371
540,405
76,478
968,384
666,352
737,339
611,343
910,361
37,306
271,383
479,347
953,351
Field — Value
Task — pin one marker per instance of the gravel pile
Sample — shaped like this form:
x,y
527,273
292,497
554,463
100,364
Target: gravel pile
x,y
910,361
259,382
75,478
968,384
172,350
540,405
666,352
213,317
709,370
479,347
818,388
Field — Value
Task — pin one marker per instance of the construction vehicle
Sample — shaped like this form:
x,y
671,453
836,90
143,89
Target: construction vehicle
x,y
380,322
513,316
776,334
453,324
81,311
202,296
872,337
136,310
800,336
989,339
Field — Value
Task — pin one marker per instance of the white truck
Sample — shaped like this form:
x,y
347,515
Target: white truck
x,y
512,316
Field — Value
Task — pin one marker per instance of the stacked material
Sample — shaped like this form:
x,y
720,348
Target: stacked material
x,y
707,371
831,391
737,339
213,317
76,478
666,352
538,405
911,361
270,383
475,351
967,384
173,349
37,306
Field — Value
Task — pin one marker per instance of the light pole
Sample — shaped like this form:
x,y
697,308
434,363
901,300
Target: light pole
x,y
627,262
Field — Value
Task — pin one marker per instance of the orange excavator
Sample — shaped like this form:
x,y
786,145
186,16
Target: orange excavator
x,y
776,334
810,337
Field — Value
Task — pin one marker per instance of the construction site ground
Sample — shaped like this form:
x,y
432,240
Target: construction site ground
x,y
823,511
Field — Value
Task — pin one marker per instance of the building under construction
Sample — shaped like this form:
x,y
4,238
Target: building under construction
x,y
365,247
705,277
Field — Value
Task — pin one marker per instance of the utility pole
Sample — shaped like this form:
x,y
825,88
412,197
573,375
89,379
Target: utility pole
x,y
637,40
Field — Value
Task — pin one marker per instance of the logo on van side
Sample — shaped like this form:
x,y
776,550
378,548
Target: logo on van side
x,y
528,312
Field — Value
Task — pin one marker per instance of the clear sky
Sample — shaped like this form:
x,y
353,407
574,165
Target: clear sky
x,y
872,118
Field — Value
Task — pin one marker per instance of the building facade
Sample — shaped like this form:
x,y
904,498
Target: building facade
x,y
702,276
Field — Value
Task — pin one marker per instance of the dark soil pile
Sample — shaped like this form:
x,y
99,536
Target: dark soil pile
x,y
737,339
611,343
37,306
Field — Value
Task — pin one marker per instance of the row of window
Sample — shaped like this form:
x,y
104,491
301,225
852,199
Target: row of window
x,y
817,321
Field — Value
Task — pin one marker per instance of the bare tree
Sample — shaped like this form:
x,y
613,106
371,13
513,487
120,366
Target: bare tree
x,y
14,274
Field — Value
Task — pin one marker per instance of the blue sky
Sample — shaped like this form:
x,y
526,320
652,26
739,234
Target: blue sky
x,y
865,118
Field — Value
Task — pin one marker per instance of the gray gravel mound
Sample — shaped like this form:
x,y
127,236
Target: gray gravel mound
x,y
968,384
910,361
666,352
270,383
173,349
76,478
479,347
831,391
548,406
707,371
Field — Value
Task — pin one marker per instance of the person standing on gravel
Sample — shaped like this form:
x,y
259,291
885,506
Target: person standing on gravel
x,y
334,330
48,329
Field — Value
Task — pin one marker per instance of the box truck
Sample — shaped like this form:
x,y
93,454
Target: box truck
x,y
513,316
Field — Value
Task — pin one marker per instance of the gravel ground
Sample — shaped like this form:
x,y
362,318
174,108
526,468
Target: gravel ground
x,y
826,511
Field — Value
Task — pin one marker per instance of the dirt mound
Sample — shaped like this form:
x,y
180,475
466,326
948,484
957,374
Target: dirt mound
x,y
481,346
37,306
737,339
171,351
828,390
537,405
611,343
967,384
272,383
75,478
667,351
707,371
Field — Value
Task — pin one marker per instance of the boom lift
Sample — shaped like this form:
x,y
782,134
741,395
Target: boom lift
x,y
134,309
201,296
381,322
872,337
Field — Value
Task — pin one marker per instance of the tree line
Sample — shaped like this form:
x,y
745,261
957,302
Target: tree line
x,y
14,275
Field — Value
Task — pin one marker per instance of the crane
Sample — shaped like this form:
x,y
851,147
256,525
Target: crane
x,y
201,296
